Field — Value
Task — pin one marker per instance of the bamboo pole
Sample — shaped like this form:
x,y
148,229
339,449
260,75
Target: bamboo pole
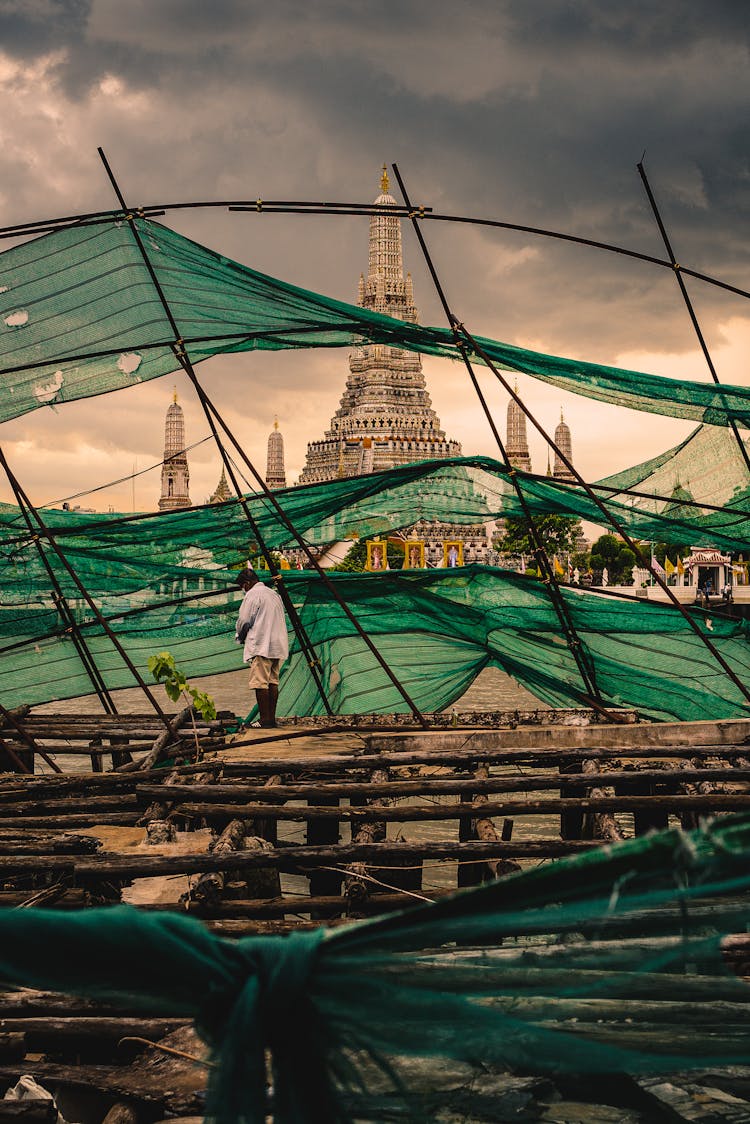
x,y
689,305
578,650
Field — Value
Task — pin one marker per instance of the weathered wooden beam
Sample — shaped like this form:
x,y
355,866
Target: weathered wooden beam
x,y
49,1026
76,819
124,866
430,785
601,823
485,830
356,886
408,813
499,755
112,802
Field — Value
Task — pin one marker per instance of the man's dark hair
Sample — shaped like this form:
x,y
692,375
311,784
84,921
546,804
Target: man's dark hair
x,y
246,577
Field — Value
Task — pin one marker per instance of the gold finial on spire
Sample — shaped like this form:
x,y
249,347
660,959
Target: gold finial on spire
x,y
562,419
276,421
174,394
384,181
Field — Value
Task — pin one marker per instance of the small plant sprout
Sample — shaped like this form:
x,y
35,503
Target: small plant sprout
x,y
165,671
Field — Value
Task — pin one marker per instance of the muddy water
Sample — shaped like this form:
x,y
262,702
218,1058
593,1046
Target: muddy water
x,y
491,690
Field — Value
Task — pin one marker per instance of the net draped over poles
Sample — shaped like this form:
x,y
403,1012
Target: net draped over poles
x,y
80,316
504,976
163,581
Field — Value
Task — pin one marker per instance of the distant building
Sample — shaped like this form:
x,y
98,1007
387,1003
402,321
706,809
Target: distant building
x,y
385,417
275,471
175,474
516,444
222,492
565,445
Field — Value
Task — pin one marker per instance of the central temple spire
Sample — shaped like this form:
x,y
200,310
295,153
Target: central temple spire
x,y
385,416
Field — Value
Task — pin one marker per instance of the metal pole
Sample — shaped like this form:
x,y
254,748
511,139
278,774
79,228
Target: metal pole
x,y
205,401
577,648
689,305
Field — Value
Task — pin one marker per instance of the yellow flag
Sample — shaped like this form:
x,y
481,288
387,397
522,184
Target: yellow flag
x,y
557,567
668,566
680,566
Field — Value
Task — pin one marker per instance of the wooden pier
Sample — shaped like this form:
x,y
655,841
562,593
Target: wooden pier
x,y
267,831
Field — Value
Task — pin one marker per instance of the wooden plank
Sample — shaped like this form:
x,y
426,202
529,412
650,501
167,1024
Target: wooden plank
x,y
445,786
139,864
413,813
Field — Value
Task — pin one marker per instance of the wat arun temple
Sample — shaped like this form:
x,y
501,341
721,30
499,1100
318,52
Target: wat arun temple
x,y
385,417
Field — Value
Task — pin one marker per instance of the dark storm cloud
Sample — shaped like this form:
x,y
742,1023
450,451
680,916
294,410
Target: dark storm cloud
x,y
32,27
532,112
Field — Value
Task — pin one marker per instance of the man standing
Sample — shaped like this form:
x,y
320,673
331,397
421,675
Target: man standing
x,y
261,627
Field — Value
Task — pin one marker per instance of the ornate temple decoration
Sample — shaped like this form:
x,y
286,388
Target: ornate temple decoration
x,y
222,492
516,444
275,471
175,474
385,417
564,443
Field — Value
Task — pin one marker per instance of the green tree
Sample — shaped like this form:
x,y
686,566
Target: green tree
x,y
165,671
670,550
557,534
611,553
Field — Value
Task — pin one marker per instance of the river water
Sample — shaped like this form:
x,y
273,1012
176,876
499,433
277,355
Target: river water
x,y
491,690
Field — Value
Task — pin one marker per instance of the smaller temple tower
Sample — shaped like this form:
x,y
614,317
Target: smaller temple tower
x,y
222,493
175,474
564,443
516,444
275,472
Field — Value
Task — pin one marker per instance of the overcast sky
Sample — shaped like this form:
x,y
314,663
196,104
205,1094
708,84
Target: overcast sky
x,y
533,112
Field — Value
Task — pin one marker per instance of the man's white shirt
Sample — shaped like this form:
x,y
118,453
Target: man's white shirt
x,y
263,610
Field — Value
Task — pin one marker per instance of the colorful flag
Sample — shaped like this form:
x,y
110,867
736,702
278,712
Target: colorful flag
x,y
680,566
557,567
657,567
668,566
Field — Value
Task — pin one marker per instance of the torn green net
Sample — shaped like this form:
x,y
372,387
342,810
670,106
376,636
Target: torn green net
x,y
621,960
80,316
436,629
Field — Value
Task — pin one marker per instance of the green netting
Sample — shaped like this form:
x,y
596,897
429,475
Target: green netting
x,y
162,581
707,467
80,316
437,629
612,962
168,554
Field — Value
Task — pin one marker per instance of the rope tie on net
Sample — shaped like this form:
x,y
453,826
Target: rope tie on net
x,y
500,975
268,1008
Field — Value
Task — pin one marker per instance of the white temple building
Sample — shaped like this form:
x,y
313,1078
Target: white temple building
x,y
385,417
275,471
175,474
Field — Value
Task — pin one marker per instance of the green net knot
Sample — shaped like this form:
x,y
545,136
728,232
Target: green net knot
x,y
268,1007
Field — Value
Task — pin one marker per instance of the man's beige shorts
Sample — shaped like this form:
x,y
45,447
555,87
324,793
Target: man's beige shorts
x,y
263,672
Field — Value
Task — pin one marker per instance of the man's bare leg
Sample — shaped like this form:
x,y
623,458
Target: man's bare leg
x,y
261,694
273,696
